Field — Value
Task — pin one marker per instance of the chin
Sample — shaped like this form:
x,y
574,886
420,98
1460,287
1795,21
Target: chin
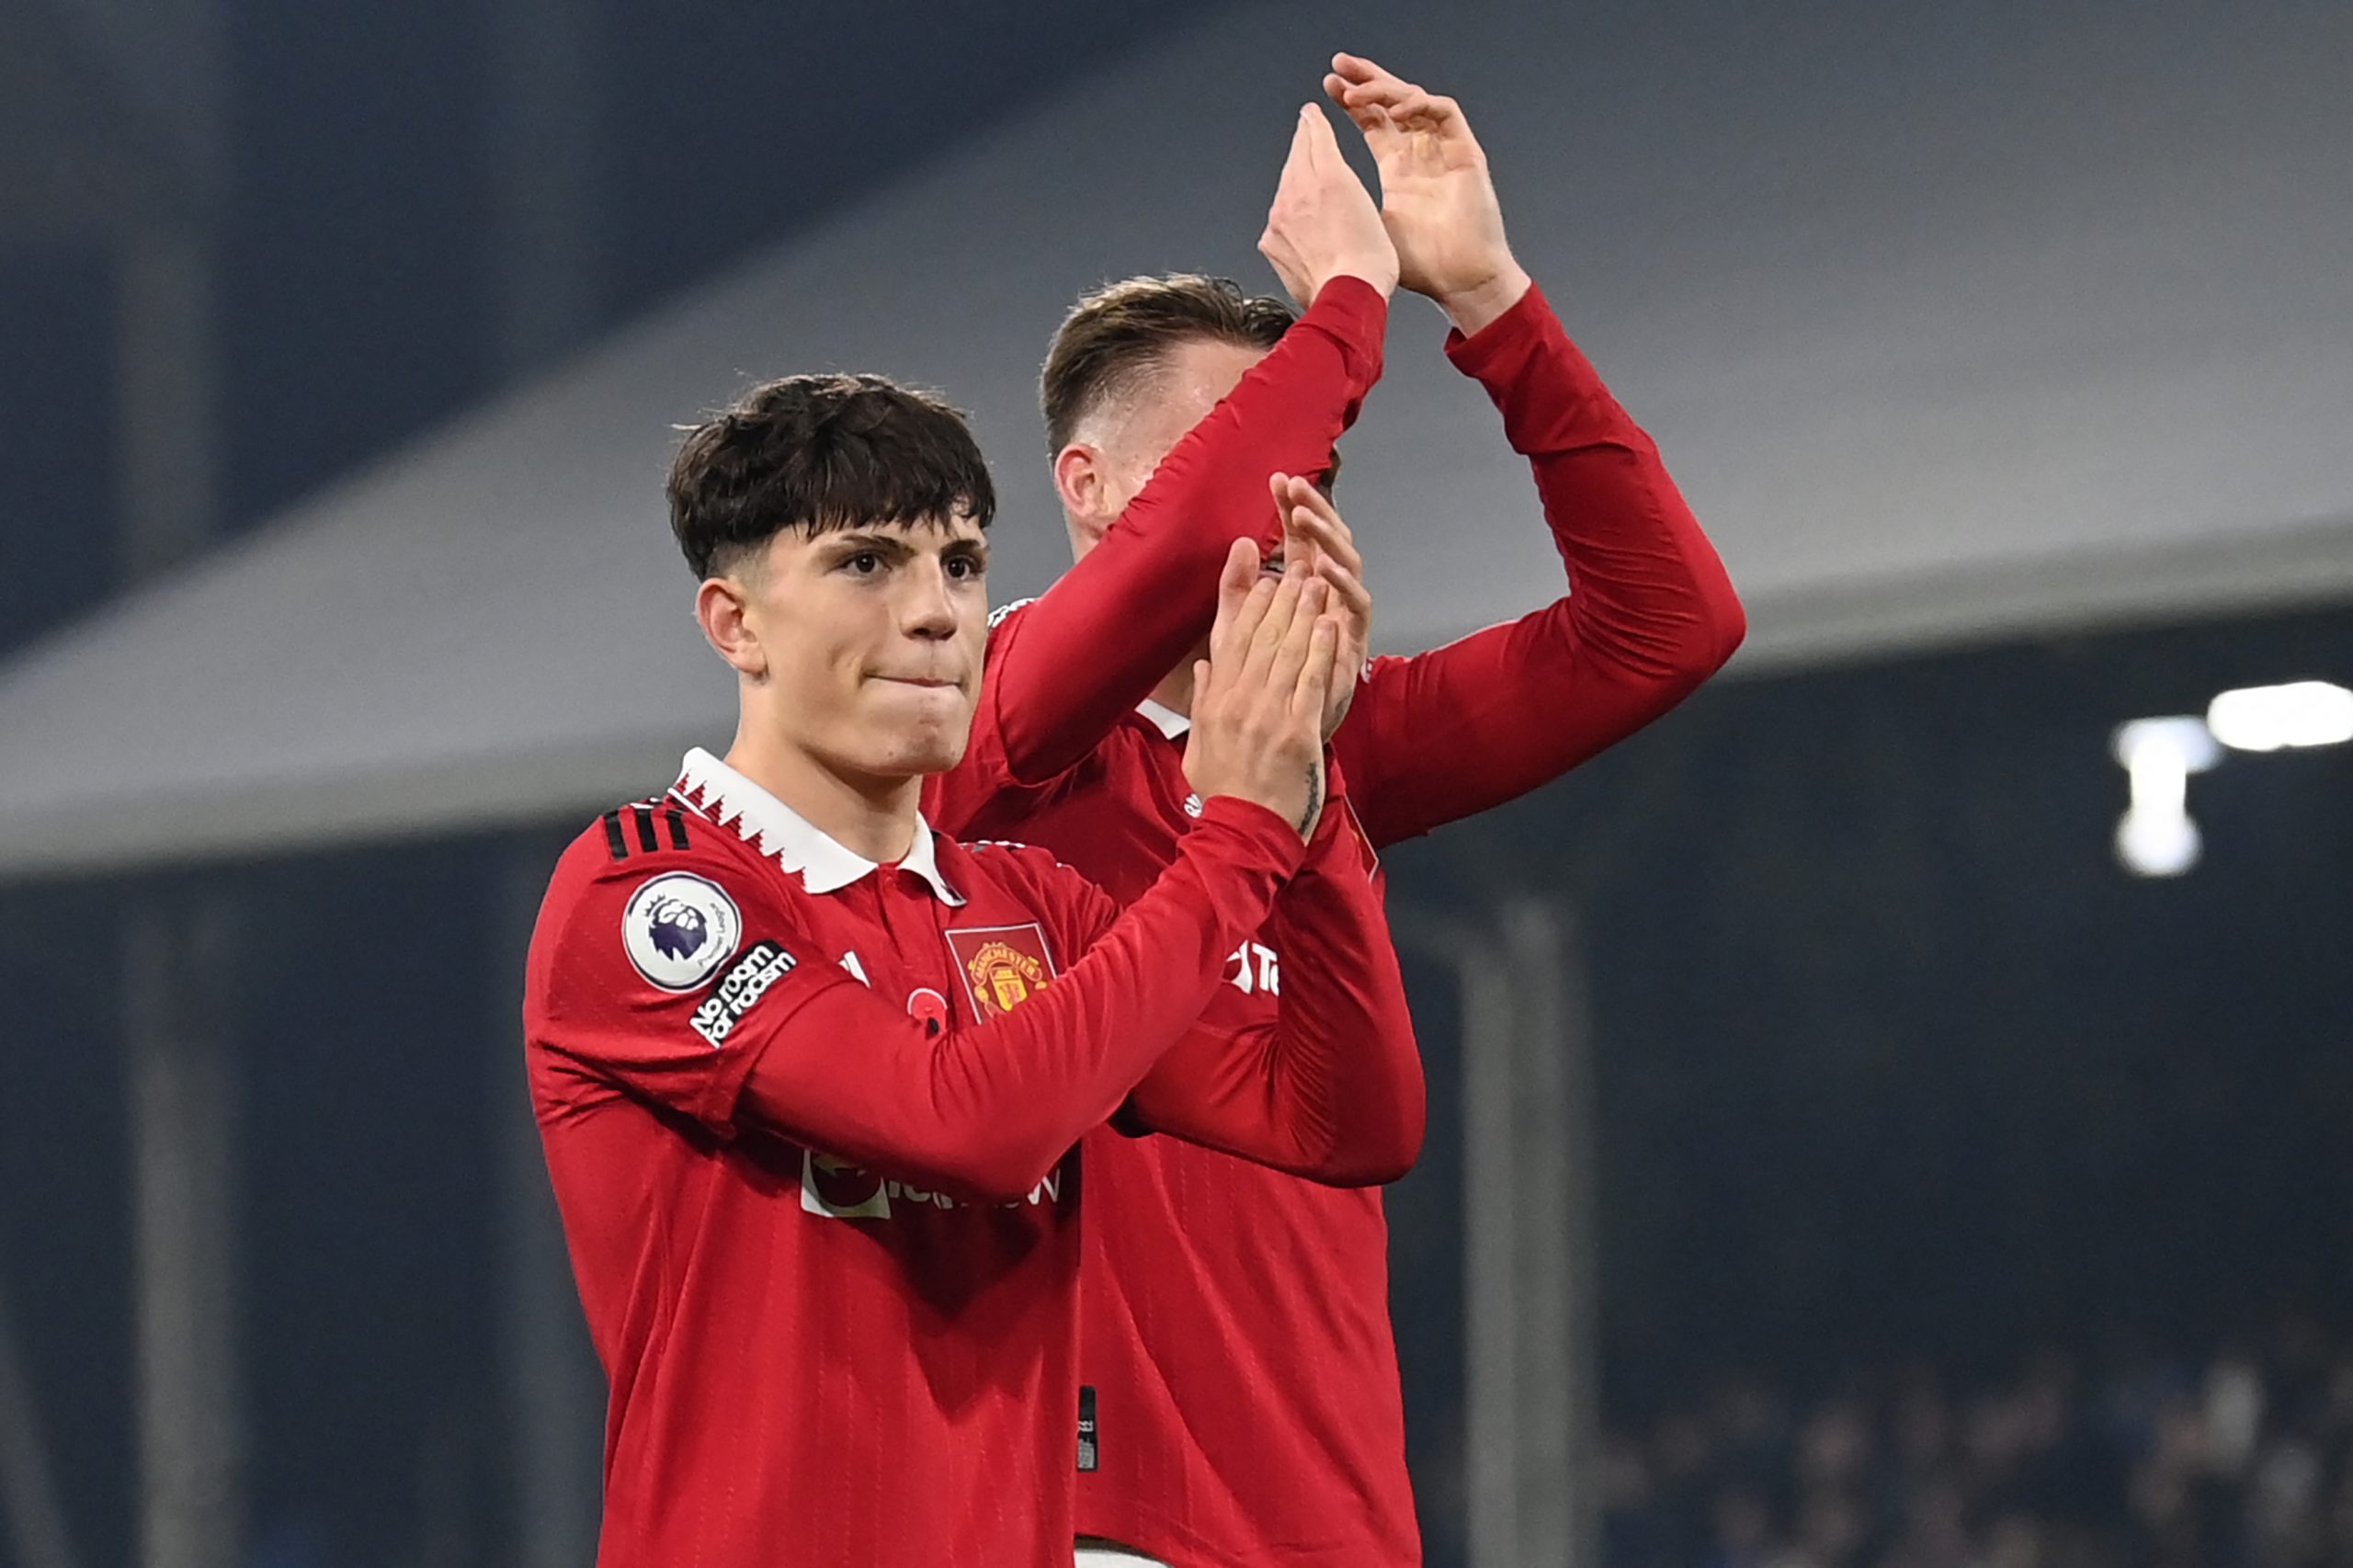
x,y
922,750
939,760
926,735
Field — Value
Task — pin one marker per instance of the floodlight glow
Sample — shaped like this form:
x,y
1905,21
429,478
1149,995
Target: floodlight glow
x,y
2156,837
2155,844
2180,742
2274,718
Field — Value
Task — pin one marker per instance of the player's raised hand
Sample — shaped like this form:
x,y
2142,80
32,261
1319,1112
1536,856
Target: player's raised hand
x,y
1314,535
1324,224
1258,699
1436,198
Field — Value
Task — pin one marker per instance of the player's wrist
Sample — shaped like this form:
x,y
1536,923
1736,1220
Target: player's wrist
x,y
1475,306
1271,831
1380,276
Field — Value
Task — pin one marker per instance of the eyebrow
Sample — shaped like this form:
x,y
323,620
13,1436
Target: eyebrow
x,y
895,546
848,544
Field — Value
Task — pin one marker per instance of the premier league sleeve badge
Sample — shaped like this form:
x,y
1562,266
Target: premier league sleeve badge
x,y
678,929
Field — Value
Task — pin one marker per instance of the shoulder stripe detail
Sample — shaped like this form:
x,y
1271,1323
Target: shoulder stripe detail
x,y
998,614
677,820
613,839
645,838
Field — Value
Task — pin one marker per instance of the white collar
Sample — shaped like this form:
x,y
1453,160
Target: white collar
x,y
1167,720
710,785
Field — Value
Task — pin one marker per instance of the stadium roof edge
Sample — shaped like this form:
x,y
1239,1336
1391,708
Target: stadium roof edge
x,y
2289,570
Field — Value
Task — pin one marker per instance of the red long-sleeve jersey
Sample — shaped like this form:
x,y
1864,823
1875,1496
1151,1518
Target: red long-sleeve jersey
x,y
810,1126
1236,1322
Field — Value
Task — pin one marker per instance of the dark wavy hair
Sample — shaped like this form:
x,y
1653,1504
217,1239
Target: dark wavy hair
x,y
821,453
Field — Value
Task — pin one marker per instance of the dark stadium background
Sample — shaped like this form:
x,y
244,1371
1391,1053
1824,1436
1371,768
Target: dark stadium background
x,y
1895,1067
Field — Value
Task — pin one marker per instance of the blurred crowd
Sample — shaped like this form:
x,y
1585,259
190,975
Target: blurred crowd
x,y
2238,1457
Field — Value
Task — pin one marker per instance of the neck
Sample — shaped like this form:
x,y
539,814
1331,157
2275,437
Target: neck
x,y
867,816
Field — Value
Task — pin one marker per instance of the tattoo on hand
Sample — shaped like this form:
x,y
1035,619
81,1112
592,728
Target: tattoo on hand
x,y
1314,800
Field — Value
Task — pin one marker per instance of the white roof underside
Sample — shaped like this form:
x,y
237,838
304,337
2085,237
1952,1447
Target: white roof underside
x,y
1951,329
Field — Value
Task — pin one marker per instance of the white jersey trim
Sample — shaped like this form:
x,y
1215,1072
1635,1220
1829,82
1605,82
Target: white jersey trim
x,y
825,865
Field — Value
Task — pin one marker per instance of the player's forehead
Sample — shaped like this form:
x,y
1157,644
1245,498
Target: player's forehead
x,y
928,534
1187,379
1200,370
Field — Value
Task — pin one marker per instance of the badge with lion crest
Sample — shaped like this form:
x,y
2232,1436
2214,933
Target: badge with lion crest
x,y
678,929
1002,966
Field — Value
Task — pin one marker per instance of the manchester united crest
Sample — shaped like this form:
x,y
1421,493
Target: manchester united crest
x,y
1002,966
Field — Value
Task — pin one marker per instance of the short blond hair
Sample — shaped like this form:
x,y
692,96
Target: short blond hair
x,y
1121,333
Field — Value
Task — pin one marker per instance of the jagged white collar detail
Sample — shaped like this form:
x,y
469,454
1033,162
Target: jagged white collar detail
x,y
1167,719
774,828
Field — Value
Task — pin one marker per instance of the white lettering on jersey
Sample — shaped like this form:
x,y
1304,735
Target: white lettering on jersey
x,y
740,990
1255,968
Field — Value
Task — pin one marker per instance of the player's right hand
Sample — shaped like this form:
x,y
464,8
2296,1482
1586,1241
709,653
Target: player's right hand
x,y
1258,699
1324,224
1437,197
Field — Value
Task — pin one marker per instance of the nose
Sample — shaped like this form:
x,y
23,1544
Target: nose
x,y
929,608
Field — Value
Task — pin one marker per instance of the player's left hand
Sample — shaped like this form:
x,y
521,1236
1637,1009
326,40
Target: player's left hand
x,y
1315,536
1436,198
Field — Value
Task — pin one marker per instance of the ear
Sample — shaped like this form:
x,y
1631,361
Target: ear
x,y
724,610
1083,484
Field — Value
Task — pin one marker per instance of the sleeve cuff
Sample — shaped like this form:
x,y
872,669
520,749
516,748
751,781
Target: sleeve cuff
x,y
1274,842
1548,394
1355,314
1503,337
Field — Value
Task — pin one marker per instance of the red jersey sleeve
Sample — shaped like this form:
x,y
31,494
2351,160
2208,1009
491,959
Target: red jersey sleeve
x,y
598,1027
1445,735
1061,674
1327,1083
810,1054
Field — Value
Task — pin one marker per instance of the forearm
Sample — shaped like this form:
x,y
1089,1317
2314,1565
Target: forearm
x,y
1098,641
1448,733
1652,596
988,1110
1330,1088
1347,1033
